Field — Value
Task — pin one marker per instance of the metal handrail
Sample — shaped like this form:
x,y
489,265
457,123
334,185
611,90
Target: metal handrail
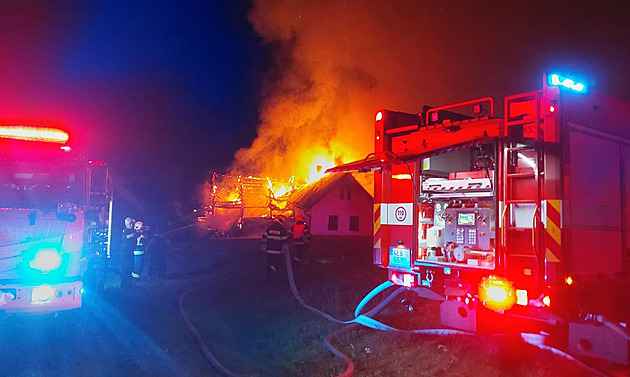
x,y
460,104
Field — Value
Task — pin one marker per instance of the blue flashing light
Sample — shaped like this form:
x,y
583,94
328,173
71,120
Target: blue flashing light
x,y
557,80
46,260
447,270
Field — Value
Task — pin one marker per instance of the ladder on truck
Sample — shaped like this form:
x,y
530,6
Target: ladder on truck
x,y
522,188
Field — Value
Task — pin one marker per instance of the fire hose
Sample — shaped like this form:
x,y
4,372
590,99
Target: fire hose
x,y
359,319
367,321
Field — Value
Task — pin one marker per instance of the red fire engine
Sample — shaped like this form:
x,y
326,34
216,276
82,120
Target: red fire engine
x,y
55,213
515,219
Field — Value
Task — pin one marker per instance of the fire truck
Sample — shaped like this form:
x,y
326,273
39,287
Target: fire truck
x,y
55,218
517,221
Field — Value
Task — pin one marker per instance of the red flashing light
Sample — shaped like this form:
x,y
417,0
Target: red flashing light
x,y
497,293
552,108
568,280
546,300
97,163
45,134
379,116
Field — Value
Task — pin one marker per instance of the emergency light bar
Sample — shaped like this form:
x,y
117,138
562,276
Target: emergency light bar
x,y
45,134
557,80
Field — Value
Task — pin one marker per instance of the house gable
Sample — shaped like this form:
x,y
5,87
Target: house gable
x,y
345,205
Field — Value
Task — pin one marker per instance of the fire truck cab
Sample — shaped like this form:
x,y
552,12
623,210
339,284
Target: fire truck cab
x,y
518,218
55,219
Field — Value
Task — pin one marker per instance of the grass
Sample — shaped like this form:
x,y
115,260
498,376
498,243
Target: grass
x,y
257,328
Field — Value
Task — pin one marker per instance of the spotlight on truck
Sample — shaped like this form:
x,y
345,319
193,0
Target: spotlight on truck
x,y
497,293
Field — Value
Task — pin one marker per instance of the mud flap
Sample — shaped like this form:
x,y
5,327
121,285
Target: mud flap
x,y
459,315
599,341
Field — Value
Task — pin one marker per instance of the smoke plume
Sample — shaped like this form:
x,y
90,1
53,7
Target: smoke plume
x,y
336,62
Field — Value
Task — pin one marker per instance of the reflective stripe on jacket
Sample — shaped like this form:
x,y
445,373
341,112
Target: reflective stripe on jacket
x,y
276,236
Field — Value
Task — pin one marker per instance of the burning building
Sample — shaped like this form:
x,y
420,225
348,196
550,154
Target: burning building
x,y
335,205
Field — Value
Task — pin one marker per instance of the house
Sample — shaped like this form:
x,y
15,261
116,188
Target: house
x,y
335,205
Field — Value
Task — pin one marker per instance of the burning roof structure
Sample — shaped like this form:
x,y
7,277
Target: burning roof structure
x,y
252,196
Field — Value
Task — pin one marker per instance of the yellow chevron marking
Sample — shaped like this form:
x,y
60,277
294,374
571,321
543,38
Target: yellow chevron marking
x,y
554,231
378,244
377,225
551,257
557,204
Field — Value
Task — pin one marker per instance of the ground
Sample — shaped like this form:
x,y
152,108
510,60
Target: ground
x,y
253,326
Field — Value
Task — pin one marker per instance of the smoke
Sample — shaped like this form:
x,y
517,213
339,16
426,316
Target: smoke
x,y
336,62
334,65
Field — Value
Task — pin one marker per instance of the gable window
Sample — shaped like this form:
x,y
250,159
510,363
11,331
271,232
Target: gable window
x,y
354,223
349,192
341,194
333,222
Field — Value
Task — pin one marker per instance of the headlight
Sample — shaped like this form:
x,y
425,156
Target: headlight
x,y
42,294
46,260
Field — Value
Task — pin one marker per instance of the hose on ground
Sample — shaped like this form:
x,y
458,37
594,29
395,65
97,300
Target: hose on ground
x,y
363,319
367,321
202,345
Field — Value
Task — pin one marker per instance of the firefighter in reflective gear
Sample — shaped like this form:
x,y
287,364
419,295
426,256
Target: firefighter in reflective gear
x,y
275,239
301,237
141,247
129,242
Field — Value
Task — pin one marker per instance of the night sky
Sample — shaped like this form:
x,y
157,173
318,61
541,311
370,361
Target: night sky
x,y
167,91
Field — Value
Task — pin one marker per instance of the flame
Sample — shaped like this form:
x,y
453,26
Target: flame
x,y
282,190
318,166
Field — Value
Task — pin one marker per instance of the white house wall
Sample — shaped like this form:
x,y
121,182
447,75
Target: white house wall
x,y
360,204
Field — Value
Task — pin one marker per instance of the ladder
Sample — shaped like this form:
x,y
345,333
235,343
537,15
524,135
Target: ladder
x,y
522,188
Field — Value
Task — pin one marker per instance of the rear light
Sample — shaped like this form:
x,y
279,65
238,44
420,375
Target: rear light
x,y
497,293
568,280
544,300
522,299
402,278
379,116
552,108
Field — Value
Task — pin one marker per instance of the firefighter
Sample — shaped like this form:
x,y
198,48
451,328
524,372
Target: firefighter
x,y
301,237
275,243
129,242
142,233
